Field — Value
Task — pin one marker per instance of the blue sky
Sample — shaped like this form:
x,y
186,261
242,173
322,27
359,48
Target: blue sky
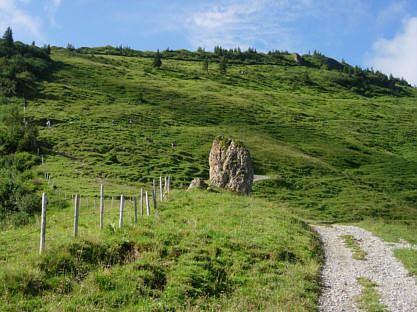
x,y
374,33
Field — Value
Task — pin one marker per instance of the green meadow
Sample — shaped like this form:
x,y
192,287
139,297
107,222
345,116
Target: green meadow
x,y
333,152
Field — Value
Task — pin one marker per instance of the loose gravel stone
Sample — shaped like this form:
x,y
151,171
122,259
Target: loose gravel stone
x,y
341,290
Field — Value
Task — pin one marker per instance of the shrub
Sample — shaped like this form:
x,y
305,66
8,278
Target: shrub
x,y
29,203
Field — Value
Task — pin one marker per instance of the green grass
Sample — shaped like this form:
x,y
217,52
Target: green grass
x,y
332,155
369,300
200,251
350,242
391,230
409,259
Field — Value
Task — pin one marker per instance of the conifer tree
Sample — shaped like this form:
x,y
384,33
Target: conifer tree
x,y
8,37
157,60
222,65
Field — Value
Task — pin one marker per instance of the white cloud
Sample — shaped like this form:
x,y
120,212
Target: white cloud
x,y
237,23
51,7
266,24
398,55
22,24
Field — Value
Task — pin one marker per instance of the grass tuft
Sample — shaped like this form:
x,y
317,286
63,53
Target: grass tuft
x,y
369,300
352,243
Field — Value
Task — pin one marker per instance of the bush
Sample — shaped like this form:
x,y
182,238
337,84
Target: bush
x,y
29,203
14,134
23,161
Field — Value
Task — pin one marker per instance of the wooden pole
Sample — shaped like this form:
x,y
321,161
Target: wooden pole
x,y
161,192
169,183
147,204
141,202
42,161
112,201
154,194
122,208
43,224
165,184
101,206
76,214
135,205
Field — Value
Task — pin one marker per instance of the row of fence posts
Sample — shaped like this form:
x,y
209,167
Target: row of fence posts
x,y
76,202
46,175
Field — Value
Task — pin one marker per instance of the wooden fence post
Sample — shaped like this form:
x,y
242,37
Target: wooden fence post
x,y
141,202
161,193
43,224
122,208
112,201
169,183
101,206
76,214
154,194
135,205
147,204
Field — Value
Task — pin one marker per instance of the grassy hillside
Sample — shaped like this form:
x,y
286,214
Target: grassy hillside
x,y
339,146
197,252
332,154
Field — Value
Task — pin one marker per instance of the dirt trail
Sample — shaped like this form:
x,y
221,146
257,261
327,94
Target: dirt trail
x,y
340,288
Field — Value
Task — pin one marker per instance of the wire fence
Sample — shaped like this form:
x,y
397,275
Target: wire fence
x,y
58,227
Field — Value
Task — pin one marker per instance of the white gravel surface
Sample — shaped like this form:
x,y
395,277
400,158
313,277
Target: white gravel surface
x,y
340,288
257,177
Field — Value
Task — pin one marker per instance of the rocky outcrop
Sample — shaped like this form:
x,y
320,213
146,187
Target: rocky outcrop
x,y
231,166
297,58
197,183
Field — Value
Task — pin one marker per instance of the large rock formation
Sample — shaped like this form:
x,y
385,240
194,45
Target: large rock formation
x,y
231,166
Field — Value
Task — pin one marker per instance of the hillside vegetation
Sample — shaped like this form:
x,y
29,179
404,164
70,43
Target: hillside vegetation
x,y
332,154
337,142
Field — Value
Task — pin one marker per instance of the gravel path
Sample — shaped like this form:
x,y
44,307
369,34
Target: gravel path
x,y
341,290
257,177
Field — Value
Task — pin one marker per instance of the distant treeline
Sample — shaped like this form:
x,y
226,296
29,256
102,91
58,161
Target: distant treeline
x,y
366,82
21,65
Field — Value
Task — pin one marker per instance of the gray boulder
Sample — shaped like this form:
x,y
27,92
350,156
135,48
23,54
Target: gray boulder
x,y
297,58
197,183
231,166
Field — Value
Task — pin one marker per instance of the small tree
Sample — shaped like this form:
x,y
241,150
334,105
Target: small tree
x,y
70,47
205,65
8,37
223,65
157,60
